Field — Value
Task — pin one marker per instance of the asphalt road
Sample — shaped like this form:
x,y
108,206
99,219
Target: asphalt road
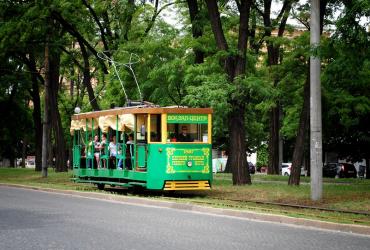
x,y
39,220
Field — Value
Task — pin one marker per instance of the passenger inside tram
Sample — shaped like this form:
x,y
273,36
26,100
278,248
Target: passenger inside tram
x,y
112,151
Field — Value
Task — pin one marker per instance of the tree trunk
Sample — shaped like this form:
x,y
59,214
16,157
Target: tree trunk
x,y
52,144
367,168
12,160
299,147
46,125
220,39
273,167
234,66
196,28
273,59
238,160
229,165
87,78
323,4
60,159
274,156
36,113
307,160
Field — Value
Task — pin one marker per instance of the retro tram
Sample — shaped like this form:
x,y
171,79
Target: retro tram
x,y
158,148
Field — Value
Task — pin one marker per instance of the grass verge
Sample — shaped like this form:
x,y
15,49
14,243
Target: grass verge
x,y
264,195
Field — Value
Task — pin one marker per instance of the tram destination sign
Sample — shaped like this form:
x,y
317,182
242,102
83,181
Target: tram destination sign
x,y
187,118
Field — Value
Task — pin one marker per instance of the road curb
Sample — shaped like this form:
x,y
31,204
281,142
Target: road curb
x,y
348,228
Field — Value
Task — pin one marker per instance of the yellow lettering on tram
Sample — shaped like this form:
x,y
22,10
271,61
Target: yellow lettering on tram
x,y
187,118
177,163
196,158
179,158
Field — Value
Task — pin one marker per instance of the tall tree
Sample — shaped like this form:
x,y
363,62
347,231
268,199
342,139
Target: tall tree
x,y
346,83
299,146
235,68
60,157
274,58
16,126
46,122
21,42
36,79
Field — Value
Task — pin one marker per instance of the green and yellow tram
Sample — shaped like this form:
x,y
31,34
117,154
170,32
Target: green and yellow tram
x,y
158,148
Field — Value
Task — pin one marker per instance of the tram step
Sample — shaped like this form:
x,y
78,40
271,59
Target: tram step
x,y
187,185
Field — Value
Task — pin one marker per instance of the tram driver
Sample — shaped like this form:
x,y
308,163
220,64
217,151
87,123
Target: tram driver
x,y
184,136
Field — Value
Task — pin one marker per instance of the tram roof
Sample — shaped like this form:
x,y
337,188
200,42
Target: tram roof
x,y
142,110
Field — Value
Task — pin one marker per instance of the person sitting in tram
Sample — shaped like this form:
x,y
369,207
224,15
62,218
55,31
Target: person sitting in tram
x,y
97,150
103,144
112,149
184,136
130,139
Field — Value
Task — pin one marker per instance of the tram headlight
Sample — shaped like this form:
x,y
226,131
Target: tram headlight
x,y
189,164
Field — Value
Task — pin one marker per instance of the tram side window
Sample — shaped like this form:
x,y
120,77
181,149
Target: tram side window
x,y
155,127
141,125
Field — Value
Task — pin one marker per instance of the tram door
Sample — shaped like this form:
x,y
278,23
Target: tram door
x,y
141,143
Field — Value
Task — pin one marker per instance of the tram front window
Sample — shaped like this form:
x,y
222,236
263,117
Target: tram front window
x,y
184,132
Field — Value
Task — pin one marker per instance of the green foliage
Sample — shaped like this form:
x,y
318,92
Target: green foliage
x,y
346,86
209,87
293,74
16,116
345,81
262,156
158,69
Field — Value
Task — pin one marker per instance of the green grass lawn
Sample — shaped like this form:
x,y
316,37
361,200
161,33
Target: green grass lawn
x,y
30,177
341,194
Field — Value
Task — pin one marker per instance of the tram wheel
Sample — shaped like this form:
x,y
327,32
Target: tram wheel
x,y
101,186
